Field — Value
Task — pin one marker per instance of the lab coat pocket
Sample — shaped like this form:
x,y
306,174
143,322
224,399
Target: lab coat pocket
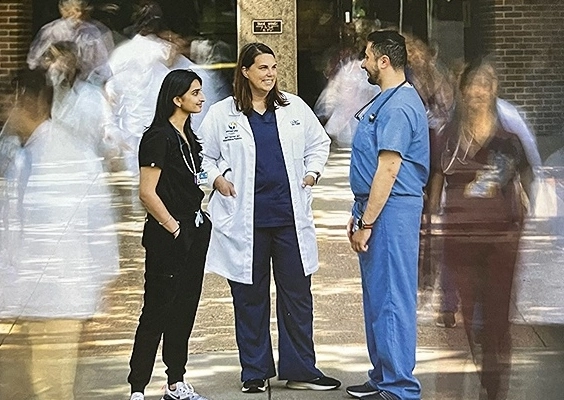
x,y
309,197
298,144
307,200
222,211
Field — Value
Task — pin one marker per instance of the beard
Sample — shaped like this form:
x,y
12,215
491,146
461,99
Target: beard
x,y
373,78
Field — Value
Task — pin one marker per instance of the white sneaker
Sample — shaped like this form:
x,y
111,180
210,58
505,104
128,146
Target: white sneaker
x,y
137,396
183,391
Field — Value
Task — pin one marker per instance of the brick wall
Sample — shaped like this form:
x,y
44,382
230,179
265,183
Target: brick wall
x,y
15,37
527,38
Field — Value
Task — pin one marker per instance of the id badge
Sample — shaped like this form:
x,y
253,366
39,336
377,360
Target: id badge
x,y
201,178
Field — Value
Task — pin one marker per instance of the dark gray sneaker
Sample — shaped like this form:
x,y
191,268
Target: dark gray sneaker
x,y
255,386
361,391
320,383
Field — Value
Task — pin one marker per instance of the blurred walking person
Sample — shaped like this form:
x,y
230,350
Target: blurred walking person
x,y
58,246
93,47
487,165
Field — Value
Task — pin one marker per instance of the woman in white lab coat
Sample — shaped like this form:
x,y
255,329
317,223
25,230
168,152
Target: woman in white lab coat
x,y
263,151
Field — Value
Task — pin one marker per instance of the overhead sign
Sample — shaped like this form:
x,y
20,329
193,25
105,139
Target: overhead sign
x,y
261,26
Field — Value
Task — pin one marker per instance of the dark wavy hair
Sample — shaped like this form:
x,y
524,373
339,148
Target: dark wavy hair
x,y
391,44
176,83
241,88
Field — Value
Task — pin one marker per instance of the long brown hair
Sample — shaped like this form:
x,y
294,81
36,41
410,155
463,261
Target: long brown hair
x,y
241,88
477,99
176,83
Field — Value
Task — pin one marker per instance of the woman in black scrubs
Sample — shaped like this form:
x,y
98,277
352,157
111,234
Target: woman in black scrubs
x,y
175,237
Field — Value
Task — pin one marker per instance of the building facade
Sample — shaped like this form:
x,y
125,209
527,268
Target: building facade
x,y
524,36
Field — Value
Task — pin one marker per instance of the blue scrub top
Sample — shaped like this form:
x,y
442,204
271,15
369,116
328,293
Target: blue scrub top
x,y
273,201
400,125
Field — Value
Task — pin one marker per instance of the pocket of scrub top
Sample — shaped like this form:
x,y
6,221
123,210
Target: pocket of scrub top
x,y
222,211
364,139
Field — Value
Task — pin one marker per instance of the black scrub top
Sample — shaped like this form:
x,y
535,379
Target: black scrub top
x,y
161,147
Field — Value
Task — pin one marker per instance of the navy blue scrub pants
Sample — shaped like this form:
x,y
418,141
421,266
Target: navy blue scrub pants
x,y
294,308
174,271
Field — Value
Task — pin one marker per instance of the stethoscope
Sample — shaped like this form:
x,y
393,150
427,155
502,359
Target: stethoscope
x,y
181,143
199,217
372,117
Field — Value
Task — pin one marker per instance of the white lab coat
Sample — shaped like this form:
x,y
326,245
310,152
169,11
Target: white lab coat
x,y
59,246
228,143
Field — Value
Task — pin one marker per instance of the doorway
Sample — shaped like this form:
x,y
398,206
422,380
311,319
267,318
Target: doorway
x,y
329,31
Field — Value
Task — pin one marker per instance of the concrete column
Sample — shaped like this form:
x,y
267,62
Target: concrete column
x,y
284,44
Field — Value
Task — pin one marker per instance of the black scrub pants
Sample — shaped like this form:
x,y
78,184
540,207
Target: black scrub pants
x,y
174,270
484,274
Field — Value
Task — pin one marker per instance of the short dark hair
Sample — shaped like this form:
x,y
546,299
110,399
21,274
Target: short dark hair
x,y
391,44
241,87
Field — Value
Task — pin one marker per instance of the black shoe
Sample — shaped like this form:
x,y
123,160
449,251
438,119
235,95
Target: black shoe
x,y
446,319
254,386
361,391
478,337
320,383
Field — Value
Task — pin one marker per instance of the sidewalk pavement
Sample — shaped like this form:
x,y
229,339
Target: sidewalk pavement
x,y
445,365
444,375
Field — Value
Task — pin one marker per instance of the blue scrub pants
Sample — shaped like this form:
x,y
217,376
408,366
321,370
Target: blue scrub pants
x,y
389,286
294,309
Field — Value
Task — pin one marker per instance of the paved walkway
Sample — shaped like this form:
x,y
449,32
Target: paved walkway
x,y
445,366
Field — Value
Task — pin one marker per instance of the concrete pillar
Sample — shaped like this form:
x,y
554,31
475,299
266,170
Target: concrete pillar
x,y
266,15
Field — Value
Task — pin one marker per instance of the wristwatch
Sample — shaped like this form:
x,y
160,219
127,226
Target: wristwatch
x,y
363,225
314,174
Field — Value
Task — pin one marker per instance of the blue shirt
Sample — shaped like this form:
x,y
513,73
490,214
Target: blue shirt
x,y
273,201
397,123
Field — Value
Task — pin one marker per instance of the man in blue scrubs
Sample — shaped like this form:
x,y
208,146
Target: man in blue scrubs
x,y
389,168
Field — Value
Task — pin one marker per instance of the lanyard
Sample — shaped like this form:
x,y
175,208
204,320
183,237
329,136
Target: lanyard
x,y
180,142
373,116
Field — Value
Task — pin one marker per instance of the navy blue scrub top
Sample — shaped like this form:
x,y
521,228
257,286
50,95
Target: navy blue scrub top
x,y
273,201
